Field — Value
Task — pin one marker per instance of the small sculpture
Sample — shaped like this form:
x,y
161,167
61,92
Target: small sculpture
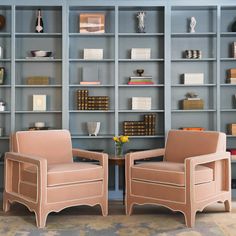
x,y
192,25
141,25
191,95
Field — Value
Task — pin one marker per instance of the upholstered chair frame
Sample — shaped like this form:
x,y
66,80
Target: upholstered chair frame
x,y
41,198
191,197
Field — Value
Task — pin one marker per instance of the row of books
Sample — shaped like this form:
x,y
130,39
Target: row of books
x,y
140,128
133,80
86,102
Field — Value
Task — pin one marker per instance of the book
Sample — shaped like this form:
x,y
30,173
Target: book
x,y
193,78
139,83
193,128
90,82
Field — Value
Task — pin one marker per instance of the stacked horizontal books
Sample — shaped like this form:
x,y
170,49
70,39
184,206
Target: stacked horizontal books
x,y
234,50
140,128
133,80
86,102
231,76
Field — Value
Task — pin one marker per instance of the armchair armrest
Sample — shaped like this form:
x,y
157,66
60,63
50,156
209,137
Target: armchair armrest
x,y
101,157
41,166
192,162
131,157
203,159
34,160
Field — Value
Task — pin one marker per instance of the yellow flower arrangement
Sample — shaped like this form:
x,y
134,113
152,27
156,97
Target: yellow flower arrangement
x,y
120,141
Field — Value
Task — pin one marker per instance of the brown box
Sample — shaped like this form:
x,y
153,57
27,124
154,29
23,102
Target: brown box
x,y
232,129
231,73
192,104
37,80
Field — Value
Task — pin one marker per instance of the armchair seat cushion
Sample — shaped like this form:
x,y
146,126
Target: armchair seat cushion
x,y
67,173
170,173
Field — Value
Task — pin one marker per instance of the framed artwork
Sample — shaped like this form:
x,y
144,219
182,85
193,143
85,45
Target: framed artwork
x,y
93,53
92,23
39,102
141,103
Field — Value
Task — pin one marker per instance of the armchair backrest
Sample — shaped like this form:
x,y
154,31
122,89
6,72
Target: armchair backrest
x,y
182,144
54,145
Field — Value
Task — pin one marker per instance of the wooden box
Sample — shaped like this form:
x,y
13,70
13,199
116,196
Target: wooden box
x,y
232,129
192,104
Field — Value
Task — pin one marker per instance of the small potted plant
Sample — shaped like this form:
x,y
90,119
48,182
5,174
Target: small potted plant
x,y
119,142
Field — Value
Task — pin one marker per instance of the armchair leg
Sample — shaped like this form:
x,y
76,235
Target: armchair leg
x,y
128,208
6,205
190,218
41,218
227,204
104,207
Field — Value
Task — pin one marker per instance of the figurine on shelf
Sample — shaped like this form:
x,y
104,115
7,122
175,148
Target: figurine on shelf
x,y
192,25
191,96
39,22
141,25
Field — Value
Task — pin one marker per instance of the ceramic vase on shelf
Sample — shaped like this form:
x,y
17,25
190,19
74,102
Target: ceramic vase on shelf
x,y
233,28
93,128
119,151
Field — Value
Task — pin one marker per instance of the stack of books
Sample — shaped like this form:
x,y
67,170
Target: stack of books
x,y
140,128
133,80
193,54
86,102
231,76
234,50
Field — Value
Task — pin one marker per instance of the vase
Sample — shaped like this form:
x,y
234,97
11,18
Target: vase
x,y
93,128
119,149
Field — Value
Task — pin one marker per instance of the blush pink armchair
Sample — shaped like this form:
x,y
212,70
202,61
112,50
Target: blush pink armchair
x,y
40,174
195,172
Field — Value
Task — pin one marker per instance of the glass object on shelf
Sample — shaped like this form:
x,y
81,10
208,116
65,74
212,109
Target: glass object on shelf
x,y
192,25
2,22
2,74
93,128
141,21
119,144
39,22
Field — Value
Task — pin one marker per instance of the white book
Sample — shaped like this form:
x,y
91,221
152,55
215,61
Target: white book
x,y
193,78
93,53
141,103
193,99
140,53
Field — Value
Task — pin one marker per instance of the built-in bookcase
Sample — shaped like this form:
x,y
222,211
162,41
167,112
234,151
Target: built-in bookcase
x,y
166,34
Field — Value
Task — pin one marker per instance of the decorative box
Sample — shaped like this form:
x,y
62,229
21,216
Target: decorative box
x,y
93,53
232,129
192,104
193,78
141,103
37,80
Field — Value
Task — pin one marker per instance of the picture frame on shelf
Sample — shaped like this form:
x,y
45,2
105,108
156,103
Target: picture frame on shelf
x,y
39,102
92,23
